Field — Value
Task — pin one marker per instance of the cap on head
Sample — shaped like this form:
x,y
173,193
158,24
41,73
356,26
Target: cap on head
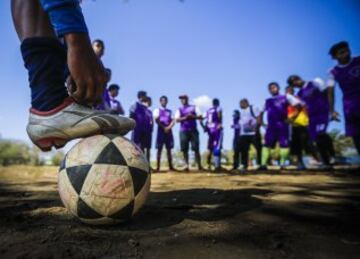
x,y
216,102
340,45
184,96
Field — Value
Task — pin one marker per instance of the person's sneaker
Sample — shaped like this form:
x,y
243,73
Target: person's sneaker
x,y
70,121
301,167
262,168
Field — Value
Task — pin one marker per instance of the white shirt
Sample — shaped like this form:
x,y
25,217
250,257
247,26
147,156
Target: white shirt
x,y
248,122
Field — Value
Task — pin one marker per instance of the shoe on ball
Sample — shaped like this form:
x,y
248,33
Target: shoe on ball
x,y
71,120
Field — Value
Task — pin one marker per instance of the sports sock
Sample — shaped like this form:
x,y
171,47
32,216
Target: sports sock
x,y
284,154
265,154
45,60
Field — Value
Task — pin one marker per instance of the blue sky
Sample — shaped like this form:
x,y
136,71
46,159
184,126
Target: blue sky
x,y
228,49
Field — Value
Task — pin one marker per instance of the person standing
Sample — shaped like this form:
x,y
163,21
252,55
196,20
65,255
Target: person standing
x,y
300,138
139,113
99,50
347,74
165,121
314,95
249,132
277,129
213,127
149,127
115,105
236,148
187,115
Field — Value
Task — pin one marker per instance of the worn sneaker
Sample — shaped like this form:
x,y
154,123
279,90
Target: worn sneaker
x,y
71,120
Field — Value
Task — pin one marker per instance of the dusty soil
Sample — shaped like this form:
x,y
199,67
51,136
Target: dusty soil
x,y
191,215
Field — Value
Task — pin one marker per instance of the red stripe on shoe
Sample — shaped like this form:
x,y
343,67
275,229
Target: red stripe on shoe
x,y
65,104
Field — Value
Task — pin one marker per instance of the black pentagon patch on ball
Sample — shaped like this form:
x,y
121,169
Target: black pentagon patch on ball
x,y
125,213
111,136
86,212
77,176
111,155
139,178
62,164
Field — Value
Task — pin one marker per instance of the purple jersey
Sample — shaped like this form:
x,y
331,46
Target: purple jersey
x,y
149,120
141,135
236,127
105,104
212,118
316,101
348,78
276,108
165,116
139,112
189,124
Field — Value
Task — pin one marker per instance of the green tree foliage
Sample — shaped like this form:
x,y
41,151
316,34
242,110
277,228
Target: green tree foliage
x,y
57,158
14,152
343,145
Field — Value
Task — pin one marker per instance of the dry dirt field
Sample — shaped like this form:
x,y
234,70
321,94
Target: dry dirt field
x,y
191,215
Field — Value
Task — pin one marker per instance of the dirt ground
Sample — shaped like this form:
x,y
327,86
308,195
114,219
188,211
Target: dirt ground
x,y
191,215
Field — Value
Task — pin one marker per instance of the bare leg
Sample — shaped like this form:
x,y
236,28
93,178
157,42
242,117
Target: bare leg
x,y
171,167
186,157
30,20
158,158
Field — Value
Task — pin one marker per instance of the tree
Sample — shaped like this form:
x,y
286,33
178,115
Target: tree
x,y
343,145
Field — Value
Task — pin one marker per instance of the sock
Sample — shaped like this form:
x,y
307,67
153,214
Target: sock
x,y
45,60
217,161
265,154
284,154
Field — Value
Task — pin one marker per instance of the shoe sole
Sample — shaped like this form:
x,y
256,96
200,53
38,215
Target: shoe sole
x,y
46,144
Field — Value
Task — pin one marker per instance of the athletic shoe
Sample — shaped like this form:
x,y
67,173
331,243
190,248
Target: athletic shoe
x,y
301,167
262,168
70,121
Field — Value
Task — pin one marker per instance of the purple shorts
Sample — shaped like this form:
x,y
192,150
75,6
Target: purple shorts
x,y
318,125
142,138
278,132
352,118
215,138
166,139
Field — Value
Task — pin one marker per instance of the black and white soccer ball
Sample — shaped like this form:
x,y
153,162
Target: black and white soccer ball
x,y
104,179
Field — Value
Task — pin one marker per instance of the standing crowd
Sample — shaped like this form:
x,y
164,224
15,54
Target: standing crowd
x,y
296,120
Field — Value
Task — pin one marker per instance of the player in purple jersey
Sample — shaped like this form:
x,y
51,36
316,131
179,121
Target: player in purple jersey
x,y
165,121
236,127
99,49
149,128
277,129
213,127
314,95
347,74
187,115
115,105
139,112
55,44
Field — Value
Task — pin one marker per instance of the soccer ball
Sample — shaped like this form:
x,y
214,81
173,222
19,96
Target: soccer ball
x,y
104,179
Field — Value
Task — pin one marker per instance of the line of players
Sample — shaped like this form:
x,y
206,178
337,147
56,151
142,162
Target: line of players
x,y
305,115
